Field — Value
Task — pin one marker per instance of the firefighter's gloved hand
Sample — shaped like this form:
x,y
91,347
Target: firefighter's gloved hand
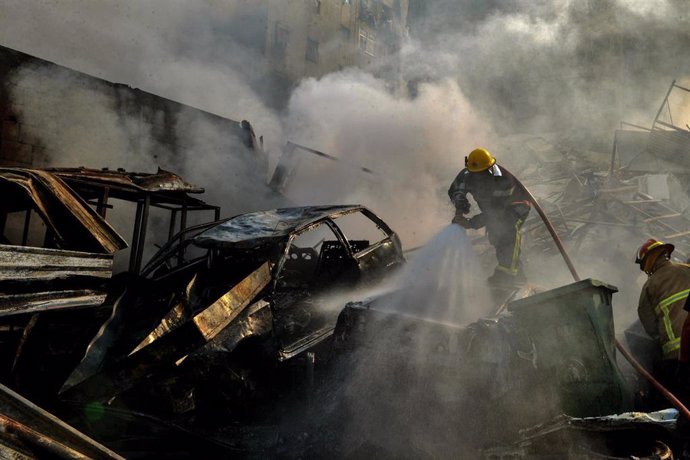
x,y
477,221
461,220
462,206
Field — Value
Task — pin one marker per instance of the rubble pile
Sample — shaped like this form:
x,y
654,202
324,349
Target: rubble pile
x,y
642,187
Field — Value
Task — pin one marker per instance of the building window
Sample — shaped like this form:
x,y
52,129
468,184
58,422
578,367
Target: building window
x,y
317,6
280,41
312,50
345,34
367,41
368,13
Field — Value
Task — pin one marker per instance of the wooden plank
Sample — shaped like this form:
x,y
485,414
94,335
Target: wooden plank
x,y
642,201
595,222
665,216
625,189
677,235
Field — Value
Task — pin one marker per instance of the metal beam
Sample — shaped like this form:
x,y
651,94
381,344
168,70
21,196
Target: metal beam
x,y
668,93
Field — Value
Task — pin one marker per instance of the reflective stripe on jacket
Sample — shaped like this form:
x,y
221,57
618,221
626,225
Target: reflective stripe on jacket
x,y
661,305
672,341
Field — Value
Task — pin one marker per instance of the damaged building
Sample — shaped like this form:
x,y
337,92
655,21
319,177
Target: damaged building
x,y
317,37
151,124
313,38
641,188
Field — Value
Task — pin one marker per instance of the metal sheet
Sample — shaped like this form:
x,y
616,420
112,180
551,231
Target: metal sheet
x,y
14,304
217,316
97,350
306,343
161,181
172,320
11,451
255,321
563,436
49,428
169,348
23,263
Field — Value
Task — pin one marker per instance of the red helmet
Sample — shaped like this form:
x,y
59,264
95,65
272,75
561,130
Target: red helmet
x,y
647,247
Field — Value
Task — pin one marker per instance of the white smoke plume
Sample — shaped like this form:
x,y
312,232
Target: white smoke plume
x,y
414,147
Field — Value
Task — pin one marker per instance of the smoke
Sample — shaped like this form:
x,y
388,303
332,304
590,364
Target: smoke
x,y
478,71
77,124
556,66
76,121
188,52
421,384
193,53
167,48
414,147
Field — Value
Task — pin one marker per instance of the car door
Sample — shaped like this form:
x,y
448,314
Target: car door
x,y
375,247
316,268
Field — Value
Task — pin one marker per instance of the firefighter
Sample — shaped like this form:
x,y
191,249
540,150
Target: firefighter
x,y
504,205
661,302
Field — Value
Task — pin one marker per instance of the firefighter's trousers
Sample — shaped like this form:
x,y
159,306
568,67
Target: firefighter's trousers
x,y
505,236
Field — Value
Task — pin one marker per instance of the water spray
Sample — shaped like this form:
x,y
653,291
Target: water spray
x,y
626,354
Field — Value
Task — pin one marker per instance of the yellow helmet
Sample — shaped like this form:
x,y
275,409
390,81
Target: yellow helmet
x,y
479,160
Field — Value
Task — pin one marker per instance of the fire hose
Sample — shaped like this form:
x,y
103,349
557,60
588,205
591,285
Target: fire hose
x,y
629,357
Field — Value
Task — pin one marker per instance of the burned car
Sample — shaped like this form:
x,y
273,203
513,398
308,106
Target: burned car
x,y
253,291
56,262
55,250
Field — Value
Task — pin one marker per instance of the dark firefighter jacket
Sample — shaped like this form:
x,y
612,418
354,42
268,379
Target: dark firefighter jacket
x,y
661,305
494,193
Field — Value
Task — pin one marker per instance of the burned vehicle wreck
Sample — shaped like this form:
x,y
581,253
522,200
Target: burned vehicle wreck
x,y
228,305
56,262
52,245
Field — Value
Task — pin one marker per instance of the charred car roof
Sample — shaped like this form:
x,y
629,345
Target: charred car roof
x,y
256,228
161,181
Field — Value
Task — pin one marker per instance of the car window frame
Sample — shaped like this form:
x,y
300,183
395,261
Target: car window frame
x,y
380,224
286,250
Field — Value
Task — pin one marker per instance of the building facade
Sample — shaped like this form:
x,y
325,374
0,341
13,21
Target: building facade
x,y
311,38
